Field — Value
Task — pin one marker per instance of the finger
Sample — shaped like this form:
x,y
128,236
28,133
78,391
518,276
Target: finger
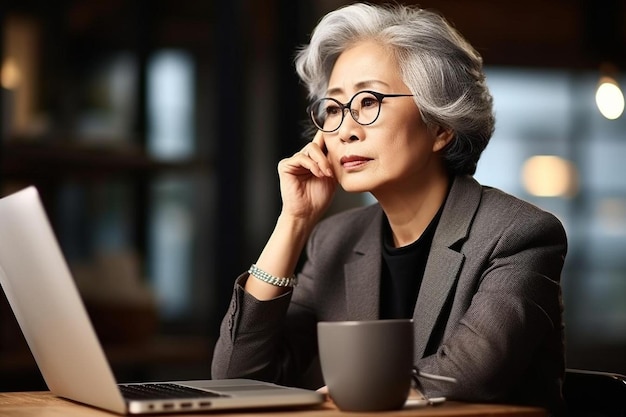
x,y
317,151
318,139
301,163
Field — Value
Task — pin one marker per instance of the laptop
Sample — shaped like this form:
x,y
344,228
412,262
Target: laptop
x,y
45,300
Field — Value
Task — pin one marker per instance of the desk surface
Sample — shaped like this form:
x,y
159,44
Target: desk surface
x,y
39,404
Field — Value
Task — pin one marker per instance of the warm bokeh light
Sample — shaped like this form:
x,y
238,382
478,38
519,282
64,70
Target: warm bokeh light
x,y
10,76
549,176
609,98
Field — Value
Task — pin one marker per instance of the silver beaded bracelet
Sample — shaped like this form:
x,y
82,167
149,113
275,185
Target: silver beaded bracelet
x,y
260,274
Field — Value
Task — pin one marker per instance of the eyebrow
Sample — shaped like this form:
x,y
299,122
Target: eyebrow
x,y
359,86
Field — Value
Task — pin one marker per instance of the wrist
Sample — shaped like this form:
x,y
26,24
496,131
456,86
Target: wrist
x,y
258,273
297,227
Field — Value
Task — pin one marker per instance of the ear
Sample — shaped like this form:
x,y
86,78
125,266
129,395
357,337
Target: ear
x,y
443,136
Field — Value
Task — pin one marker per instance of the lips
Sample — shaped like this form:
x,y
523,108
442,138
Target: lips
x,y
353,161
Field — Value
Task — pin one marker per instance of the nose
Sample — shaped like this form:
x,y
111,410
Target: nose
x,y
350,130
355,114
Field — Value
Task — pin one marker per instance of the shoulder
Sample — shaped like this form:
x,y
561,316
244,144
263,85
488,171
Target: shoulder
x,y
479,212
343,231
468,193
355,215
498,203
350,221
512,218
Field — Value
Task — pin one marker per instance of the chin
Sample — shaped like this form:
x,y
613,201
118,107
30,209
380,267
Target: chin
x,y
355,187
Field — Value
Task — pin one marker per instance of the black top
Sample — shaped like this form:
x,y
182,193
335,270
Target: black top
x,y
402,272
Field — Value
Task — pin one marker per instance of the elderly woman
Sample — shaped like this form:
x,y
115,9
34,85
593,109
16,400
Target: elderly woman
x,y
402,111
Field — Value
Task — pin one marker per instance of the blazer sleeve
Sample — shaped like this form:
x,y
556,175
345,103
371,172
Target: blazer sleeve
x,y
511,333
274,340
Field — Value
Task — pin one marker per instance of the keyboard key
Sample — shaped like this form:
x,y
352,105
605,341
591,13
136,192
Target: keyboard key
x,y
162,391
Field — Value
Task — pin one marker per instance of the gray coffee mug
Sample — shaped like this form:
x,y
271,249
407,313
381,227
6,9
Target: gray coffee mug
x,y
367,365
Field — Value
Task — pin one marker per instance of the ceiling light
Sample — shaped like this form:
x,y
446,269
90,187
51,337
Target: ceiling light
x,y
609,98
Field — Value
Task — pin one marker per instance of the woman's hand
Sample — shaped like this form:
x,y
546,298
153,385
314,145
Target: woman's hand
x,y
307,185
307,182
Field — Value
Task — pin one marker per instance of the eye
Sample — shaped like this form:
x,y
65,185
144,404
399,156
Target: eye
x,y
369,102
332,110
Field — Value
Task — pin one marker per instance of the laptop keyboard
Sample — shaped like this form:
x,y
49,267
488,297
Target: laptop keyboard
x,y
163,391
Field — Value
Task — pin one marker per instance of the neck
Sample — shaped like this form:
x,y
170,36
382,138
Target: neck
x,y
410,211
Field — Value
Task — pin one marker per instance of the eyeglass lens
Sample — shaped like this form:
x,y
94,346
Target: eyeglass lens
x,y
328,113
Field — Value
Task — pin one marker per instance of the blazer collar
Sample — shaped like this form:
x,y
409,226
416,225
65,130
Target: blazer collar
x,y
442,268
445,261
363,274
458,212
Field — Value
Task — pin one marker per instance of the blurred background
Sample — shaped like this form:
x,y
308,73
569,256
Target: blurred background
x,y
153,129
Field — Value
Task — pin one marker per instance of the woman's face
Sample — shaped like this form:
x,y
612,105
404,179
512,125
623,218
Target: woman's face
x,y
396,151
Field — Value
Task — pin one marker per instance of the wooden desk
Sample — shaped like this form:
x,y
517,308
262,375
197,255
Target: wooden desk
x,y
40,404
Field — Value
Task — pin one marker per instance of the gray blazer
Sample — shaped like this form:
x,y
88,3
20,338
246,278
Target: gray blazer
x,y
488,313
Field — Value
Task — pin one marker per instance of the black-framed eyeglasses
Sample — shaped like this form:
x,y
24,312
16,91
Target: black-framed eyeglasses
x,y
364,107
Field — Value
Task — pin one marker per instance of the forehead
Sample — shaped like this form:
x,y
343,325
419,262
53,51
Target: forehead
x,y
364,63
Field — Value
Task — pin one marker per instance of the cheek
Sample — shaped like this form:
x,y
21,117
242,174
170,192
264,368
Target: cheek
x,y
406,149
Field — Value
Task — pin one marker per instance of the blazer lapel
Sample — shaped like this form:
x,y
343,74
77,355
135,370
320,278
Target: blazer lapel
x,y
444,262
363,273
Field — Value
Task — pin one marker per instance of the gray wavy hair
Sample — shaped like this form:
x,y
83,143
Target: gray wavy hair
x,y
442,70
